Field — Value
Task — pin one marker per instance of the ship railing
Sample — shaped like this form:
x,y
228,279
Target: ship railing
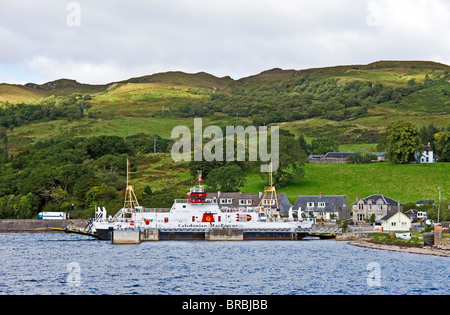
x,y
181,201
119,213
248,210
155,210
260,229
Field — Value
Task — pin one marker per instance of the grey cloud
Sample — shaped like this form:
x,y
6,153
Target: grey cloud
x,y
236,38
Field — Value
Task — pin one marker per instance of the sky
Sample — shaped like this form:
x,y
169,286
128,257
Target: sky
x,y
102,41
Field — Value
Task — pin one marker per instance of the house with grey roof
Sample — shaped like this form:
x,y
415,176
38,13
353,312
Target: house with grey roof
x,y
426,156
324,207
377,205
381,156
395,222
247,201
331,158
421,203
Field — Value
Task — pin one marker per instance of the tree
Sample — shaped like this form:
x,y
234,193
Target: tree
x,y
30,205
427,134
292,158
303,144
148,190
229,178
359,158
443,145
402,140
323,146
3,146
99,146
100,194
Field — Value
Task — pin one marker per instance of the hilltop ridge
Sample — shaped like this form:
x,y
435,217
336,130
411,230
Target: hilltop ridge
x,y
14,93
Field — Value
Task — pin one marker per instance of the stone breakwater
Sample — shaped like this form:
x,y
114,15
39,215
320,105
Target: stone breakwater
x,y
37,226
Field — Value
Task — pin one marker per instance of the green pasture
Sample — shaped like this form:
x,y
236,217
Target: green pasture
x,y
404,183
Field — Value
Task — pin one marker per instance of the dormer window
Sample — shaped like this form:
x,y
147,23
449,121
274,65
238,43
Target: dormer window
x,y
321,204
226,201
270,202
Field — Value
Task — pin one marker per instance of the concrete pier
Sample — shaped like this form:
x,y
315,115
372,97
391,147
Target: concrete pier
x,y
38,226
149,235
225,235
351,236
126,237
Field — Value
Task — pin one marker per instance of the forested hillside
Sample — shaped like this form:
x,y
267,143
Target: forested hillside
x,y
63,144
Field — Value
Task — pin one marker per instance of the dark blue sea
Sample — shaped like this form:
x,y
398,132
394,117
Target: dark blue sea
x,y
71,264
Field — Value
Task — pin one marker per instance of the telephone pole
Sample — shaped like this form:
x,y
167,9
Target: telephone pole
x,y
439,205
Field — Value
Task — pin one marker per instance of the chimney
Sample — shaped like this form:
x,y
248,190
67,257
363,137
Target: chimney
x,y
260,194
218,194
357,197
320,195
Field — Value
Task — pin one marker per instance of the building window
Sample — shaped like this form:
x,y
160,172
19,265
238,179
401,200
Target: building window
x,y
226,201
321,204
360,217
310,204
245,201
393,223
380,206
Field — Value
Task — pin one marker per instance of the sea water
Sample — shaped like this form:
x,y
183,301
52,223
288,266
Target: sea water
x,y
73,264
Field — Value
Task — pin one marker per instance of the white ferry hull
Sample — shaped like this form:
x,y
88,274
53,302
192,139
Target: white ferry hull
x,y
195,217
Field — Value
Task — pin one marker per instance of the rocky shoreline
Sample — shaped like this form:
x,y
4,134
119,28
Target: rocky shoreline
x,y
443,251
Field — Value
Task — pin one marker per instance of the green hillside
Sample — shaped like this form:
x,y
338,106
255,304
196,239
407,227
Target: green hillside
x,y
53,124
404,183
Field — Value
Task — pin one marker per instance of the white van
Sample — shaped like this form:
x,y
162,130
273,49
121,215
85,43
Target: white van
x,y
422,215
53,216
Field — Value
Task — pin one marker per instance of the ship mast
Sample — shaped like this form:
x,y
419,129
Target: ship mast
x,y
269,199
131,201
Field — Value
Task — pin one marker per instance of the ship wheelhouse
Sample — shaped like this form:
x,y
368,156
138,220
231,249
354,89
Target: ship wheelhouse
x,y
197,194
196,197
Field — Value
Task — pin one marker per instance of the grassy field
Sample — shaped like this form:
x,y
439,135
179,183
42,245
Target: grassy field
x,y
404,183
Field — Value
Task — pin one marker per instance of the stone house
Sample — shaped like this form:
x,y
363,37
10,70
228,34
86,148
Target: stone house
x,y
378,205
324,207
331,158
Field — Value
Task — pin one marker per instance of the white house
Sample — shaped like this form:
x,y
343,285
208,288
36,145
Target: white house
x,y
426,156
395,222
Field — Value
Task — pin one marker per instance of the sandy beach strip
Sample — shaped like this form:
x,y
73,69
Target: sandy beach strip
x,y
405,249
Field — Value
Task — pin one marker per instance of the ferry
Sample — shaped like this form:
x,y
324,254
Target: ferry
x,y
193,217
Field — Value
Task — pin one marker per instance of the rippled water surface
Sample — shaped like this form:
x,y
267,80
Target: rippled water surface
x,y
71,264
